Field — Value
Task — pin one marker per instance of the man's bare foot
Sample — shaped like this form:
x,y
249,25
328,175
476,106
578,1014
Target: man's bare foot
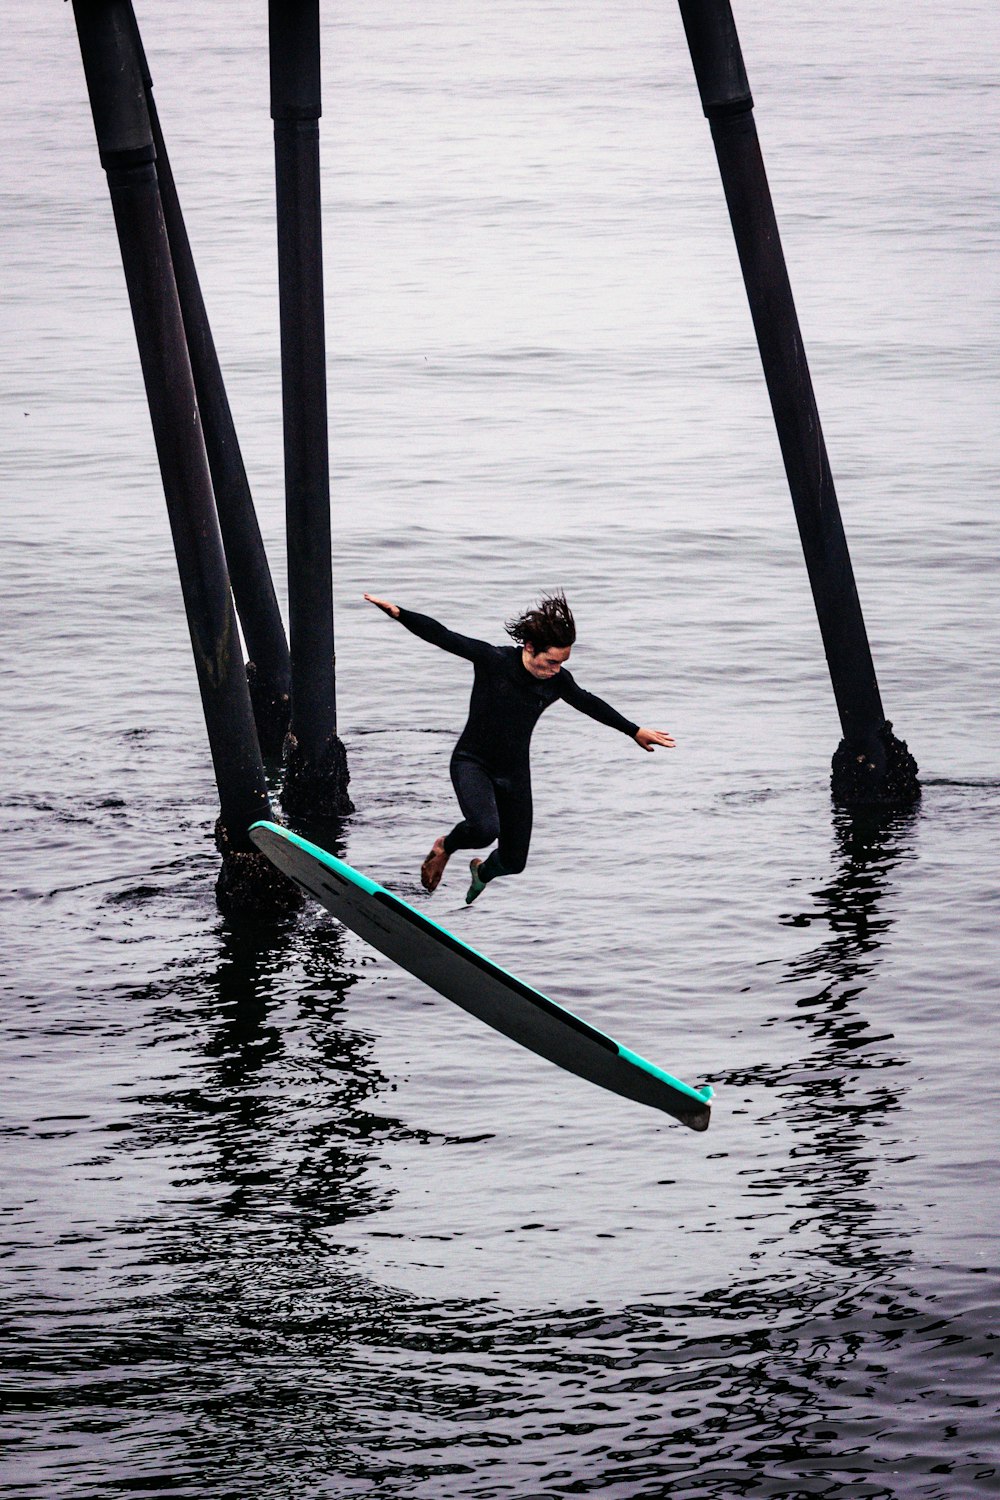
x,y
433,866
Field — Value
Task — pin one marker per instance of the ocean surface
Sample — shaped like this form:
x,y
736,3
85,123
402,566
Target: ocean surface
x,y
278,1221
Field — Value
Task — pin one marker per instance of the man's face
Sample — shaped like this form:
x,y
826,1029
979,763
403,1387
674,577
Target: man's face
x,y
545,664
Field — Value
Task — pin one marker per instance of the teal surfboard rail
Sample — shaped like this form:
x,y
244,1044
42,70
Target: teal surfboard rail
x,y
467,977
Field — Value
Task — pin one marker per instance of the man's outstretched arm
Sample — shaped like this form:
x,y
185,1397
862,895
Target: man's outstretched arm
x,y
432,631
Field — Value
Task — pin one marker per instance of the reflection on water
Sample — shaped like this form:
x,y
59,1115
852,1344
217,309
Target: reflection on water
x,y
256,1347
300,1152
848,1081
870,845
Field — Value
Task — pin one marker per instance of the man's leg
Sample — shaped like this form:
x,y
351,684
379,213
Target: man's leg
x,y
480,822
514,806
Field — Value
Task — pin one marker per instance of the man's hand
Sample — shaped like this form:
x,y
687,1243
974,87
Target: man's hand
x,y
383,604
648,739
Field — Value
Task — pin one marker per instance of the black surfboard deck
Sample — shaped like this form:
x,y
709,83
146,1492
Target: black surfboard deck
x,y
464,976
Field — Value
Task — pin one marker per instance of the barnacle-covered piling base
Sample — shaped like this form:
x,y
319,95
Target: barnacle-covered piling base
x,y
884,775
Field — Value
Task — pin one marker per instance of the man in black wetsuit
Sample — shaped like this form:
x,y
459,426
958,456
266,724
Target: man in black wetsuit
x,y
490,770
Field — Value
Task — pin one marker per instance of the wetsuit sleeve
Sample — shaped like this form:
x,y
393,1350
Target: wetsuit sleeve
x,y
438,635
594,707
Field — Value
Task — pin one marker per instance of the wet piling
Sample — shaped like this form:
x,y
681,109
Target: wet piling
x,y
316,772
870,765
269,668
124,137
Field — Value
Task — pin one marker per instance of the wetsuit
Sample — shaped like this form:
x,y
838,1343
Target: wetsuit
x,y
490,767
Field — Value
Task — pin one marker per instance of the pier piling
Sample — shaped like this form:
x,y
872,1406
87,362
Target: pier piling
x,y
124,137
269,668
316,772
870,765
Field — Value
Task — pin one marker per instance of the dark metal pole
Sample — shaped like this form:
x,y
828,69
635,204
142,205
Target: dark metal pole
x,y
870,765
316,765
269,669
124,137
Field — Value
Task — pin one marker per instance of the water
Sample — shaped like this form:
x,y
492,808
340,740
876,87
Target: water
x,y
278,1220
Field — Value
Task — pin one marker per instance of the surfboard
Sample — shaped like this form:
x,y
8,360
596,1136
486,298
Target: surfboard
x,y
447,964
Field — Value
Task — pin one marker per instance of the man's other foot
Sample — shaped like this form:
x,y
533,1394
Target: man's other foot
x,y
433,866
477,886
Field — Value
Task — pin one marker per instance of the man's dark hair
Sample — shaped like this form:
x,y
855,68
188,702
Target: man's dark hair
x,y
549,624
